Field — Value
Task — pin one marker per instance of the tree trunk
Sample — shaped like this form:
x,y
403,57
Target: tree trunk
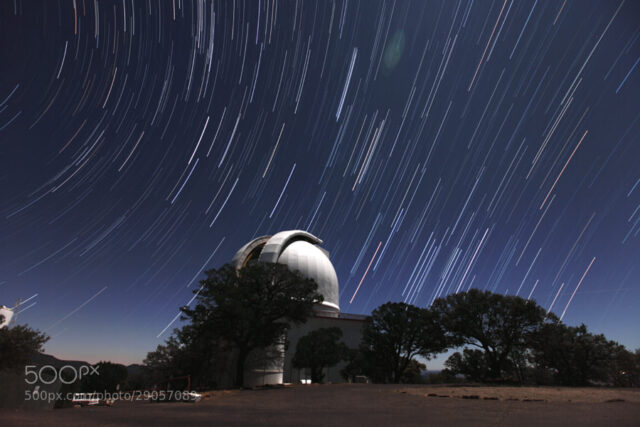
x,y
316,374
494,367
240,361
397,375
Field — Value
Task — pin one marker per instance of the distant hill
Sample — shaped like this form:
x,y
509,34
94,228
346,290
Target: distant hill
x,y
41,359
134,369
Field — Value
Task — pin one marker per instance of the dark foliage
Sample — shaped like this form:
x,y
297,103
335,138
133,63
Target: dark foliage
x,y
110,376
625,369
393,335
499,326
167,361
413,373
320,349
445,376
196,352
250,309
471,363
17,344
356,365
573,356
503,338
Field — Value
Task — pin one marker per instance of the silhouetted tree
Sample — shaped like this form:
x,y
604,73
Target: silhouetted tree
x,y
17,344
166,361
573,356
201,356
109,376
319,349
444,376
413,373
356,365
394,334
498,325
625,368
471,363
251,308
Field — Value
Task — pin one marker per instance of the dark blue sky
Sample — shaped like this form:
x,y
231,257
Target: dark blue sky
x,y
434,146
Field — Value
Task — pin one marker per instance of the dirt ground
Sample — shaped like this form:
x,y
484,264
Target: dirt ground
x,y
363,404
531,394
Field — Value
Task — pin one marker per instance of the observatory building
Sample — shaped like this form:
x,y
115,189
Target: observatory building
x,y
300,251
6,314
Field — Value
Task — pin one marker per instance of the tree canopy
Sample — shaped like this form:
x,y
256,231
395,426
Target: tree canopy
x,y
251,308
168,360
17,344
394,334
500,338
573,356
109,377
319,349
498,325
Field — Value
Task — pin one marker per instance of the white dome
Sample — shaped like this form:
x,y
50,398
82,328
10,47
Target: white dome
x,y
299,251
7,314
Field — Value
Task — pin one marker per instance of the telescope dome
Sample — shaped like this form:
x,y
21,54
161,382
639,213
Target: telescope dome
x,y
300,251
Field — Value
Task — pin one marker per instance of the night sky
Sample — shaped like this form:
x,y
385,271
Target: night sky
x,y
433,146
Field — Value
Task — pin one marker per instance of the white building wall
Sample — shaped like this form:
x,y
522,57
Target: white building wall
x,y
351,326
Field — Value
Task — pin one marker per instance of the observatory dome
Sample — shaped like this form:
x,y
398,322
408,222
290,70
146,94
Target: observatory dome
x,y
300,251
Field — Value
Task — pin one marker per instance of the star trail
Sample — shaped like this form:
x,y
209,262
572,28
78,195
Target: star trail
x,y
434,146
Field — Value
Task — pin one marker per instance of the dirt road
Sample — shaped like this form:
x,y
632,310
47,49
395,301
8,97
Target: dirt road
x,y
354,404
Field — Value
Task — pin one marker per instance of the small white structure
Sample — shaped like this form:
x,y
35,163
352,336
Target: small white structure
x,y
85,399
7,314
